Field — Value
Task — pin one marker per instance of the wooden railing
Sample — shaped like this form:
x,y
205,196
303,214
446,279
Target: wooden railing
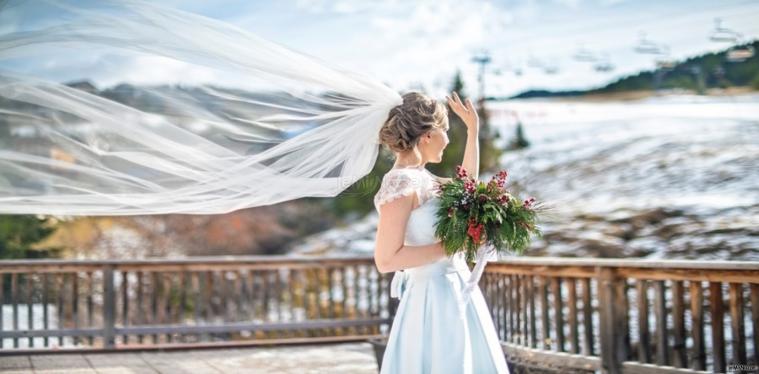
x,y
636,316
615,316
55,304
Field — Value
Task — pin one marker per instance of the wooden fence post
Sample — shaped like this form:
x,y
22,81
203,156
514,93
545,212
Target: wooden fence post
x,y
613,323
109,308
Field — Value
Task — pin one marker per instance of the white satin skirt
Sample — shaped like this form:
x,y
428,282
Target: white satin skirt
x,y
435,330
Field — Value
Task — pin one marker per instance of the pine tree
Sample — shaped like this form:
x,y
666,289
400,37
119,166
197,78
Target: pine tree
x,y
519,141
20,234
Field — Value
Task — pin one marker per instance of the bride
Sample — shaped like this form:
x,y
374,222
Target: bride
x,y
434,330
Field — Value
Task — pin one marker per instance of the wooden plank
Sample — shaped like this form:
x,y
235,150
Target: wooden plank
x,y
274,262
155,290
518,309
344,284
660,311
513,308
60,300
499,297
191,347
698,354
164,300
502,296
109,308
75,303
125,303
587,317
90,305
550,359
644,333
14,303
574,331
678,319
737,324
29,286
632,367
715,275
544,318
755,317
22,334
718,333
209,288
525,309
558,314
487,285
617,263
45,308
621,319
184,284
325,302
2,302
314,324
610,360
140,312
727,273
331,298
240,262
533,322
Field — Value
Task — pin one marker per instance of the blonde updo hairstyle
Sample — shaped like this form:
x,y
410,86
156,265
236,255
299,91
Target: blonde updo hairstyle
x,y
408,122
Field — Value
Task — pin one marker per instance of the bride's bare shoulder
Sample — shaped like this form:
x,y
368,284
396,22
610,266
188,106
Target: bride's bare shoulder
x,y
438,178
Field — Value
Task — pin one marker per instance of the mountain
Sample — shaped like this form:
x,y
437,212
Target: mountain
x,y
711,70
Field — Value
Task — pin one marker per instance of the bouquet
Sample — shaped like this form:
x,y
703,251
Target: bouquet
x,y
473,213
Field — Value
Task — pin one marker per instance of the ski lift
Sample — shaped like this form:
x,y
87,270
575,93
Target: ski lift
x,y
740,54
665,62
647,46
534,62
482,57
584,55
551,70
723,34
603,65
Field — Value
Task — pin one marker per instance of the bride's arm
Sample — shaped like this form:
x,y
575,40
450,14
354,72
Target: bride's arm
x,y
468,114
471,160
390,254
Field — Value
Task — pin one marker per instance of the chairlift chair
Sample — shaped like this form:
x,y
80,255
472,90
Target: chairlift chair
x,y
723,34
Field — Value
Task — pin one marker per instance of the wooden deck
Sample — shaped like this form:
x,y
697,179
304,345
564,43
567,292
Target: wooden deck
x,y
322,358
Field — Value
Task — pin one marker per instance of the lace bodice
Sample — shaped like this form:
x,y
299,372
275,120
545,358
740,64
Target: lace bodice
x,y
420,228
403,182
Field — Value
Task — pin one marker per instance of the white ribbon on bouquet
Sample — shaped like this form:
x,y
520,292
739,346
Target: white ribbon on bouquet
x,y
485,254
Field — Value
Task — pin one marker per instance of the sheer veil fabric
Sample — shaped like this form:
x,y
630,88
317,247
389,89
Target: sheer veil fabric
x,y
281,125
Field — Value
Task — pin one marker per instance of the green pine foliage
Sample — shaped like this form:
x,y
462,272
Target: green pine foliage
x,y
474,213
20,234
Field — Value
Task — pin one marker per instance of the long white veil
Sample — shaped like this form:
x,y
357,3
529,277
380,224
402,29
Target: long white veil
x,y
293,127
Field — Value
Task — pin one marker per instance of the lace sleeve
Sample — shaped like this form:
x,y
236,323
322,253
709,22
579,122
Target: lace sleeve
x,y
394,186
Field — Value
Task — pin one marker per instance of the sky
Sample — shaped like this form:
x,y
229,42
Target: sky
x,y
421,44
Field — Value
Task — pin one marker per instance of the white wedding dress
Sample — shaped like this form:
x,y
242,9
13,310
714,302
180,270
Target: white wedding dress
x,y
434,330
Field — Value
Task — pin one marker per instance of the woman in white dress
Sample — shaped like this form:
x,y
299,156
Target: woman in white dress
x,y
434,329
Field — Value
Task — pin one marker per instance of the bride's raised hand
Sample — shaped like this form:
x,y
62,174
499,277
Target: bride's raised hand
x,y
465,110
